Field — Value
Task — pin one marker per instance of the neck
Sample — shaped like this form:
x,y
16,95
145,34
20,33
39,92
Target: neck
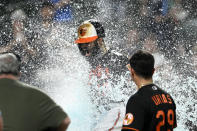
x,y
8,76
143,82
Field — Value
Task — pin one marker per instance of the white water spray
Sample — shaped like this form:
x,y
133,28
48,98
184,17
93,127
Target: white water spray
x,y
65,79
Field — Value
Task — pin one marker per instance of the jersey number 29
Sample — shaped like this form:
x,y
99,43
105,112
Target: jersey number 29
x,y
170,119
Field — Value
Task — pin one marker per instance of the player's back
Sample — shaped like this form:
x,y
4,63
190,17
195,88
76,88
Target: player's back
x,y
160,108
150,109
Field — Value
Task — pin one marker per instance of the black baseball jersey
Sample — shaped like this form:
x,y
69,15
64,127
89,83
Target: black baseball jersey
x,y
107,73
150,109
109,67
116,62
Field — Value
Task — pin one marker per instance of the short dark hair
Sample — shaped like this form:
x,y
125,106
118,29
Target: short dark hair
x,y
143,63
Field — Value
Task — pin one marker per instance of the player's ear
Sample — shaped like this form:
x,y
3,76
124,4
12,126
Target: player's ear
x,y
128,67
100,41
132,72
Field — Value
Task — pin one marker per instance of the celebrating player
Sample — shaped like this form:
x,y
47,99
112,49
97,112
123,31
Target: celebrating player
x,y
91,45
108,67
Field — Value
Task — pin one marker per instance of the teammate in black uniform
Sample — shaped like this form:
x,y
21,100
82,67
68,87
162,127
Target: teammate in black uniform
x,y
151,108
108,67
91,45
105,63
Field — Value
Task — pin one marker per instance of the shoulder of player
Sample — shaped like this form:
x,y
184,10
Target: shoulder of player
x,y
32,91
143,93
25,85
137,102
162,91
136,98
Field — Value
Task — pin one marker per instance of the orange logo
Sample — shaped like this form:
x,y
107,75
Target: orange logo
x,y
82,31
128,119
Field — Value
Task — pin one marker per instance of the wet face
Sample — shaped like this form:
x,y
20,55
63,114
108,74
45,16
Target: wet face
x,y
89,49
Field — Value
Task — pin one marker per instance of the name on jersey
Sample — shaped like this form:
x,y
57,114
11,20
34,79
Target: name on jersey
x,y
161,99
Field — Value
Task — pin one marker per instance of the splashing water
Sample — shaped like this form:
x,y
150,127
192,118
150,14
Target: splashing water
x,y
66,80
65,77
183,91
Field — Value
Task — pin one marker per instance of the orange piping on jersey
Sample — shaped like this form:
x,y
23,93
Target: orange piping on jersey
x,y
128,128
115,122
